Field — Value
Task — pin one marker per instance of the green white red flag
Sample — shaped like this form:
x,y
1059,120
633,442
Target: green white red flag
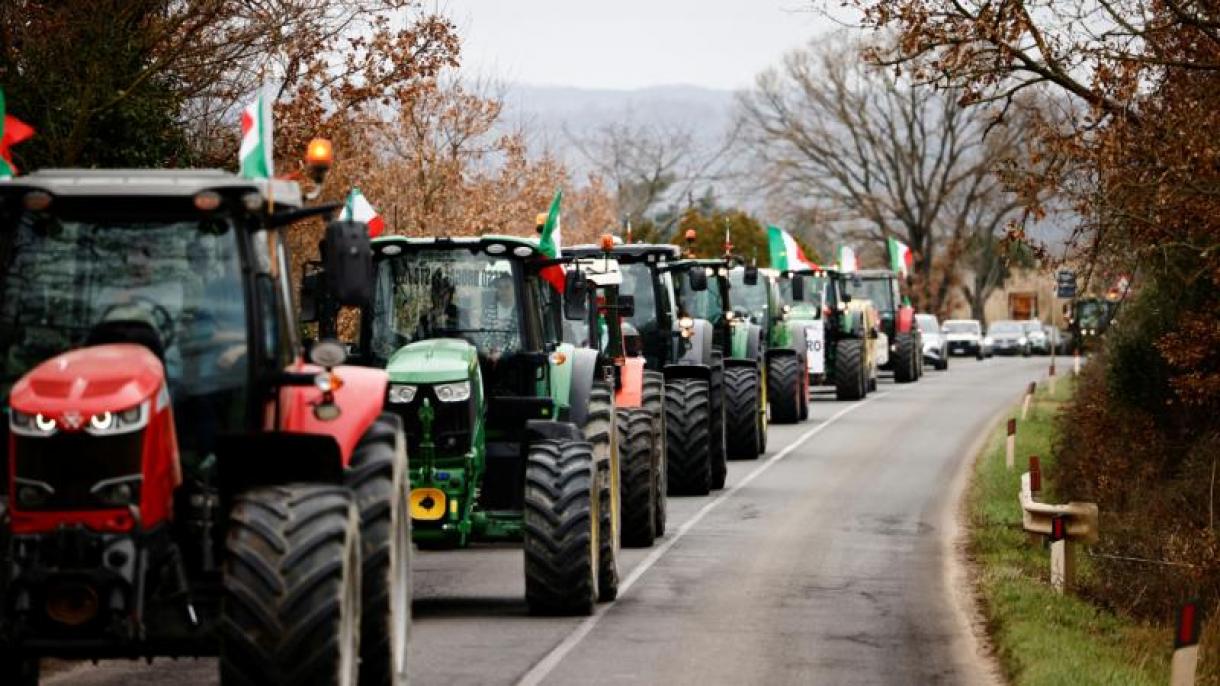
x,y
786,253
254,154
847,259
551,241
358,209
12,132
901,259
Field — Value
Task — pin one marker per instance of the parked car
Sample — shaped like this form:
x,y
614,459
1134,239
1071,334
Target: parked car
x,y
1060,339
964,337
934,350
1038,341
1008,338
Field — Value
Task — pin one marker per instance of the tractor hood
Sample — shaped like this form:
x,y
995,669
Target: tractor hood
x,y
436,360
79,384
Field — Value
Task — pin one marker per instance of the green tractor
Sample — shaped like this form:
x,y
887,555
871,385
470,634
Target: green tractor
x,y
843,334
511,430
904,353
678,349
757,298
737,342
638,393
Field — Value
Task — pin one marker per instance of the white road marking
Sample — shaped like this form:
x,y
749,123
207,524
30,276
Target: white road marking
x,y
543,668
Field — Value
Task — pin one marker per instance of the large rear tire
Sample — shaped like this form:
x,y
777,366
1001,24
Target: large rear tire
x,y
599,432
904,358
654,401
560,525
377,476
688,436
639,479
290,612
849,369
784,389
719,454
741,386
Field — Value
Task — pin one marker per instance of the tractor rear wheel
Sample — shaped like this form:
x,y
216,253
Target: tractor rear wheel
x,y
741,386
639,479
784,389
688,436
904,358
599,431
560,525
377,476
654,401
849,369
290,612
719,454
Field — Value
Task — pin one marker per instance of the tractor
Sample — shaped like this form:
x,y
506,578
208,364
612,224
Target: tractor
x,y
638,395
847,331
179,481
757,299
511,430
904,355
677,352
737,342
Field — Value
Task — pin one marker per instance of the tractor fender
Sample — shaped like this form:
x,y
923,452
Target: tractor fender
x,y
701,372
906,319
745,342
361,398
795,341
584,372
699,348
631,389
773,353
545,429
276,457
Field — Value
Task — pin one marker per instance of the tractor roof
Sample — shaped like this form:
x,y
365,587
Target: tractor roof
x,y
873,274
512,245
628,252
599,271
164,183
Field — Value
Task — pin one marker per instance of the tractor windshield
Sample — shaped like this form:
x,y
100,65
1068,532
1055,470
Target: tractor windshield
x,y
879,292
751,299
422,294
810,306
637,282
174,286
706,304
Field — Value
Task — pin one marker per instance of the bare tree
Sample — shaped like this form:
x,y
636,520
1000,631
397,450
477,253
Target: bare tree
x,y
876,156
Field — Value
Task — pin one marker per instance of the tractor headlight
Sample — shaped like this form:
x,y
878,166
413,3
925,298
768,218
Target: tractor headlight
x,y
452,392
32,494
1022,340
112,423
401,394
119,492
23,424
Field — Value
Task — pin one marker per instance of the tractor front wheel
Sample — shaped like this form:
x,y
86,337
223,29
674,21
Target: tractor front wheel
x,y
290,612
850,383
599,431
561,528
654,401
377,477
741,386
636,452
904,358
784,389
688,436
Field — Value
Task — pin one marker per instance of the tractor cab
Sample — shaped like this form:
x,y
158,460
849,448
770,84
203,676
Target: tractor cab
x,y
901,349
805,293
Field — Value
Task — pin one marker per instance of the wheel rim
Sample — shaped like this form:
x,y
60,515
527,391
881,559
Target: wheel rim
x,y
349,607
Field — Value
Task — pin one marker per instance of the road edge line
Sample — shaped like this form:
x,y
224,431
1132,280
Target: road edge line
x,y
547,664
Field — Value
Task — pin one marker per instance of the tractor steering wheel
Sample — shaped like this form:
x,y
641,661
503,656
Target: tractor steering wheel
x,y
163,320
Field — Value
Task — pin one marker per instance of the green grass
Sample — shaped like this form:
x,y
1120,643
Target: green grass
x,y
1041,638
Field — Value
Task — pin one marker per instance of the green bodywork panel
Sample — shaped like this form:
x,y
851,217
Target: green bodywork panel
x,y
437,360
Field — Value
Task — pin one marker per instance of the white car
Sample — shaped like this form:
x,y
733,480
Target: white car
x,y
934,346
964,337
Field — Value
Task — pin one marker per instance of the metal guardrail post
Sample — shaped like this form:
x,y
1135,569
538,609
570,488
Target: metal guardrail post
x,y
1064,525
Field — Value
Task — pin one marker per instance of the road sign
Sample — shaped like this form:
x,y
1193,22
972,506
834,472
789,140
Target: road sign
x,y
1065,283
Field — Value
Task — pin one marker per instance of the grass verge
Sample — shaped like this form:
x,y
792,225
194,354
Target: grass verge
x,y
1041,638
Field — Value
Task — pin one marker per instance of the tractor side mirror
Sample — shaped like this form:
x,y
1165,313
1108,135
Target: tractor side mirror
x,y
575,296
750,277
626,305
698,279
347,260
798,289
846,297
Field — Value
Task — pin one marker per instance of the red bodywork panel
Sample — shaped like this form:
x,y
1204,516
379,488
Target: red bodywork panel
x,y
361,398
906,319
78,384
631,392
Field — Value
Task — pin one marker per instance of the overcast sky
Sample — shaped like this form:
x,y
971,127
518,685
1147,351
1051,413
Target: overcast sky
x,y
630,43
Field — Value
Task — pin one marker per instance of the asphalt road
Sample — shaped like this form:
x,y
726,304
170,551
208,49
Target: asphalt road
x,y
826,561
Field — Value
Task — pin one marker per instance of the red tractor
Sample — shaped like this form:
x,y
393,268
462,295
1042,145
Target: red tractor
x,y
179,481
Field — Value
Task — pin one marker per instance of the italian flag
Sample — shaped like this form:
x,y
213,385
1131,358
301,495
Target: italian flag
x,y
358,209
550,241
847,259
901,259
786,253
12,132
254,155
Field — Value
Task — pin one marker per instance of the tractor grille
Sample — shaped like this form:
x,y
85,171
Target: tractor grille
x,y
71,464
452,423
